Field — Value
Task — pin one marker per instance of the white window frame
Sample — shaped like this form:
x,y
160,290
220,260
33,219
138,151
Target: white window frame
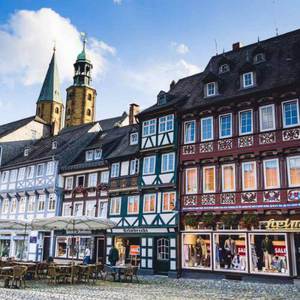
x,y
223,69
203,182
50,168
278,174
31,200
22,207
89,179
73,211
32,173
115,172
134,138
144,201
283,113
169,201
90,204
21,174
244,80
77,180
134,166
148,172
5,179
52,199
190,141
124,170
167,156
37,169
5,204
41,199
164,120
220,127
255,176
89,155
234,178
14,173
106,177
240,122
71,179
213,83
288,169
212,128
97,154
147,123
68,206
260,118
135,198
99,204
186,182
114,199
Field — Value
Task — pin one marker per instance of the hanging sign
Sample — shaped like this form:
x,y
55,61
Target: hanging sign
x,y
135,250
283,225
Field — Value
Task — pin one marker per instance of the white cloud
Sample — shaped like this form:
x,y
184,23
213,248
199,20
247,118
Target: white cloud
x,y
117,2
27,40
180,48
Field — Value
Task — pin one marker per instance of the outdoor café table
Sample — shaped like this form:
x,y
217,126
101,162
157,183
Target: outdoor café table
x,y
120,269
6,271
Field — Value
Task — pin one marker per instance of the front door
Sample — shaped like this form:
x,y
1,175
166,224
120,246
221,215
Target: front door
x,y
162,257
297,250
46,247
100,249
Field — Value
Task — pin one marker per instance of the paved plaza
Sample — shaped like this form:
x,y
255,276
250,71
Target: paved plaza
x,y
155,288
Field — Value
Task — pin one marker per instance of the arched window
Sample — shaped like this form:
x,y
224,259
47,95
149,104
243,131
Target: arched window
x,y
89,97
88,112
56,110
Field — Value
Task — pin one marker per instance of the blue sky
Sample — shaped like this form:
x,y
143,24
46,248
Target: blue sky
x,y
138,46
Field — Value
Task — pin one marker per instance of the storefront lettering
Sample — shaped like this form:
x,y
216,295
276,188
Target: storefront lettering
x,y
287,224
135,230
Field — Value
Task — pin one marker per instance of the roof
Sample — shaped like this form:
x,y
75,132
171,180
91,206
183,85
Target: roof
x,y
51,87
113,122
12,126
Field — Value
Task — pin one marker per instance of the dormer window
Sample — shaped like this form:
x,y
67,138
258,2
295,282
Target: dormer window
x,y
161,98
134,138
211,89
26,151
54,145
248,80
259,57
98,154
224,68
89,155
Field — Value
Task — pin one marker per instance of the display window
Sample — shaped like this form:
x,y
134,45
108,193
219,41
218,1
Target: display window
x,y
128,249
84,243
268,253
196,251
230,252
61,247
20,249
4,247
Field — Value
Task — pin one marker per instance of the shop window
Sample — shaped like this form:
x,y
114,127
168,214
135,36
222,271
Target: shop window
x,y
102,208
246,122
166,124
90,208
207,129
293,164
209,180
115,170
290,113
189,132
61,247
191,181
133,204
20,248
115,206
249,176
149,165
230,252
149,127
129,250
73,244
267,117
228,178
196,252
163,249
84,243
149,203
271,173
268,254
4,247
167,162
169,199
225,122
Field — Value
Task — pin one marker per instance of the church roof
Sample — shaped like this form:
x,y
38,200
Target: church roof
x,y
51,87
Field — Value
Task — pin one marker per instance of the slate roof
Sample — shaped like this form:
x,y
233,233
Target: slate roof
x,y
112,122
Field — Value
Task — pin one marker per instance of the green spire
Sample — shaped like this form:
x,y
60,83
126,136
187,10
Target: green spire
x,y
51,86
83,56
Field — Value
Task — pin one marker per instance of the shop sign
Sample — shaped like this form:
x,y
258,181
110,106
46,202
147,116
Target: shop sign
x,y
283,225
135,250
135,230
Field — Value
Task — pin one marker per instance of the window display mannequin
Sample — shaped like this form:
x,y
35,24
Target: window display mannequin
x,y
254,258
230,251
268,250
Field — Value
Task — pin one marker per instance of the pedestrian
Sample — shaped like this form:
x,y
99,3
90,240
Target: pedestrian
x,y
113,256
87,256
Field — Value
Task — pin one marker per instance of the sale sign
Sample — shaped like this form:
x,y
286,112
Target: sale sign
x,y
135,250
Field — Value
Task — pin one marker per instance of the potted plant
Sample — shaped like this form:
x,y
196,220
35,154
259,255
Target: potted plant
x,y
191,221
230,220
209,220
249,220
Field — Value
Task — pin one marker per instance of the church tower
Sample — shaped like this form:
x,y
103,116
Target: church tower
x,y
49,106
81,97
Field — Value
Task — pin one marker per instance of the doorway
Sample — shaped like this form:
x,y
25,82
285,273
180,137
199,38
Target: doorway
x,y
100,249
297,252
162,255
46,247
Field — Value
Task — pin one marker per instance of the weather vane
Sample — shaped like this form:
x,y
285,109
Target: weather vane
x,y
83,36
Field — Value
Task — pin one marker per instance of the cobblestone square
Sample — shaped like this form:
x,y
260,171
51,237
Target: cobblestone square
x,y
155,288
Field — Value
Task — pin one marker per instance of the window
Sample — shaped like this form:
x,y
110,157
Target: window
x,y
52,202
134,138
166,123
41,203
290,113
207,129
134,166
163,249
169,199
259,57
225,126
249,176
22,204
271,173
21,174
228,178
69,183
13,175
90,208
209,181
88,112
115,170
115,206
92,180
67,209
4,177
78,209
89,155
189,132
211,89
293,164
26,151
80,180
149,165
102,209
5,206
124,168
50,168
104,177
167,162
54,145
31,204
13,205
224,68
40,170
149,127
267,117
246,124
97,154
30,172
248,79
191,181
133,204
149,203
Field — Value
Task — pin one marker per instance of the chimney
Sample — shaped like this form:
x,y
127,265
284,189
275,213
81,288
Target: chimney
x,y
172,84
236,46
134,109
